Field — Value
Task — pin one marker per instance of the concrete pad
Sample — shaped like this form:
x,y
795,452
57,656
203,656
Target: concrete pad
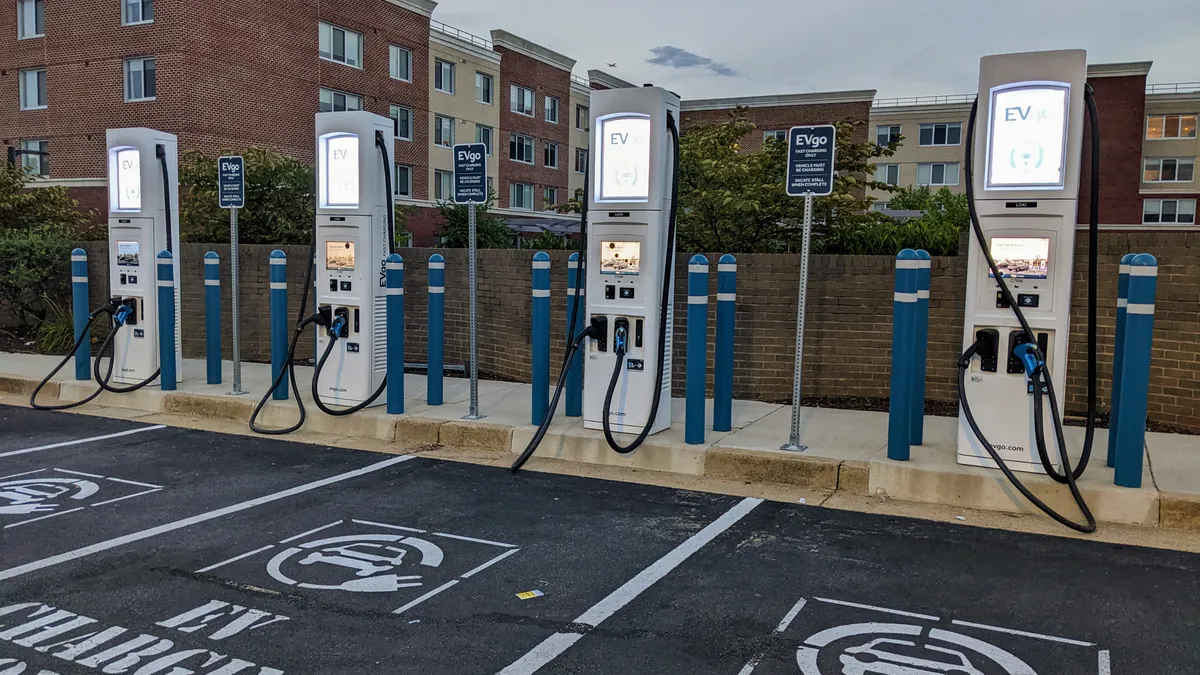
x,y
838,434
1174,460
475,434
854,477
766,466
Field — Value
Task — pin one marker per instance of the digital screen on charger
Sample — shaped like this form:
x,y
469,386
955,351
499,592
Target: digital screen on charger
x,y
339,170
128,254
1027,142
339,256
621,258
125,172
623,168
1021,257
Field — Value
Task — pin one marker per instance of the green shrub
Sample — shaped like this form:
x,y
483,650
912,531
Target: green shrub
x,y
56,334
279,200
491,231
34,265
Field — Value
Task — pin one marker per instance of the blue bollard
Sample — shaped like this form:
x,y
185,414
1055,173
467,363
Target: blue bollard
x,y
697,352
166,321
212,316
1114,417
79,307
904,305
541,337
919,347
395,334
279,328
723,358
1135,375
437,329
574,383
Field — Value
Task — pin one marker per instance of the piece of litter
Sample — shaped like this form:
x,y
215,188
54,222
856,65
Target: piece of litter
x,y
528,595
803,500
414,621
960,517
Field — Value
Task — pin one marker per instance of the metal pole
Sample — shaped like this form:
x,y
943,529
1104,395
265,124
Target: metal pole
x,y
474,356
793,443
234,287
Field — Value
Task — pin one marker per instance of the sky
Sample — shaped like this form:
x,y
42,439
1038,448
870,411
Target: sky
x,y
717,48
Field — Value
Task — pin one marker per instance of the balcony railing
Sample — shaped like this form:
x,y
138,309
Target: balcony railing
x,y
922,100
460,34
1173,88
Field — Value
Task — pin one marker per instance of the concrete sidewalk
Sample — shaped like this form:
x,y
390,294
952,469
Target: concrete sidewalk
x,y
846,449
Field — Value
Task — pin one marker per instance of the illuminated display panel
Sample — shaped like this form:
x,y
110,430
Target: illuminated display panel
x,y
125,170
339,255
339,170
621,258
623,168
128,254
1021,257
1027,142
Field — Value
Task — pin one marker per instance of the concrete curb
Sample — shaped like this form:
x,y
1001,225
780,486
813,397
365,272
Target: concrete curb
x,y
817,473
476,435
24,386
1179,511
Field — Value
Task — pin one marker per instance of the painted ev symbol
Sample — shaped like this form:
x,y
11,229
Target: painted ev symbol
x,y
370,558
34,495
901,649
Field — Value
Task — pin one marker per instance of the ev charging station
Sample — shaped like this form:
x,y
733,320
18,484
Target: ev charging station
x,y
630,257
143,219
353,238
1025,184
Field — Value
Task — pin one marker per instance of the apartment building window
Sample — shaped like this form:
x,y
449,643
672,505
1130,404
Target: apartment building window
x,y
443,185
941,134
402,119
551,155
443,76
938,173
33,163
31,19
581,160
886,134
552,109
338,101
887,173
483,134
1169,170
340,45
520,196
400,63
520,149
549,197
879,206
141,82
443,131
33,89
520,100
403,180
135,11
1169,211
484,91
775,134
582,118
1171,126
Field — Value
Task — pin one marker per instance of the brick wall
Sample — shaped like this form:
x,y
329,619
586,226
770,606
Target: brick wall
x,y
1120,107
786,117
545,80
848,335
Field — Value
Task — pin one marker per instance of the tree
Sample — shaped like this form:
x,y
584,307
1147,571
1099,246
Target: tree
x,y
735,201
37,208
940,207
937,230
279,199
491,231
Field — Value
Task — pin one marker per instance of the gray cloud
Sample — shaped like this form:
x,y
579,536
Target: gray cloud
x,y
674,57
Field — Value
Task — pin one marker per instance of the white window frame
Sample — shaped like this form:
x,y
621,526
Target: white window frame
x,y
957,174
440,123
518,93
394,52
443,182
1190,205
393,109
933,141
886,168
322,27
550,148
551,103
581,154
584,118
334,92
546,201
35,165
1178,127
128,68
23,19
1158,162
517,138
879,132
22,77
491,137
526,189
141,5
407,168
447,74
480,77
879,206
777,134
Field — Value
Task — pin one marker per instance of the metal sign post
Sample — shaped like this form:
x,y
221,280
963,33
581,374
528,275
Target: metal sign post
x,y
470,188
231,194
809,175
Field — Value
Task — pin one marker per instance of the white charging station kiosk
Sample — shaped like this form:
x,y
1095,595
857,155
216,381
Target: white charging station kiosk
x,y
629,206
353,212
143,219
1026,185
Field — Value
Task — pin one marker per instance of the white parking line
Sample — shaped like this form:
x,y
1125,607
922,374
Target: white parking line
x,y
554,646
121,499
194,520
234,559
783,625
78,473
23,473
52,515
394,527
312,531
491,562
911,615
1011,631
1102,657
77,441
474,540
425,597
